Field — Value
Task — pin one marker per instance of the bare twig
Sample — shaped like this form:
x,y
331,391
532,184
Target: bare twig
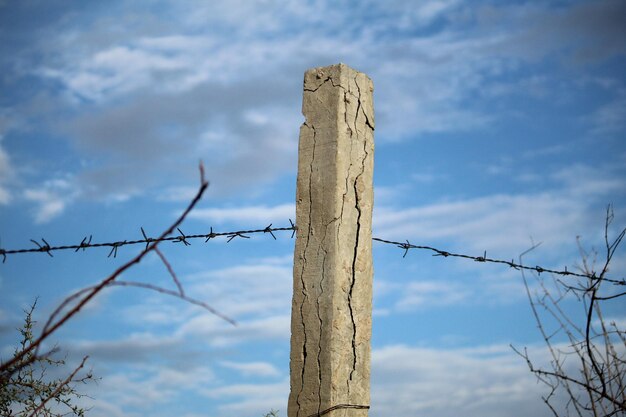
x,y
171,271
602,367
51,325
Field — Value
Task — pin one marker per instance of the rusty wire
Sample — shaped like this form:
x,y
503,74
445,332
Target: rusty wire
x,y
45,247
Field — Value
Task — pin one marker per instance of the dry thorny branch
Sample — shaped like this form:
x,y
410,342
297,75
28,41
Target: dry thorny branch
x,y
30,352
589,369
30,389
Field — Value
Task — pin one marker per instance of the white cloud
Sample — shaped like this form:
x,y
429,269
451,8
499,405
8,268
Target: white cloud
x,y
50,205
252,399
51,198
119,70
246,215
273,328
500,221
180,193
610,117
136,347
257,296
489,381
5,196
459,283
587,182
430,293
504,222
7,170
260,369
429,10
257,291
143,390
5,164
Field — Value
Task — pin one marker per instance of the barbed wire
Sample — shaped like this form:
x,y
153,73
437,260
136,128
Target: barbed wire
x,y
512,264
45,247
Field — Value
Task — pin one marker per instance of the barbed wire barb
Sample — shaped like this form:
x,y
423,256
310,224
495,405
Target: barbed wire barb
x,y
43,248
268,229
182,238
293,227
406,246
84,243
211,235
146,238
238,234
114,248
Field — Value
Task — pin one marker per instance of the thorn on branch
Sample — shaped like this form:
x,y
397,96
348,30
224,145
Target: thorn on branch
x,y
43,248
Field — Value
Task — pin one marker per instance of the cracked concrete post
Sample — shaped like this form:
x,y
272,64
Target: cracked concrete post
x,y
331,312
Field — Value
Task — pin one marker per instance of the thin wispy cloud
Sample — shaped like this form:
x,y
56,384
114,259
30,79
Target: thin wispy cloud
x,y
249,215
507,221
409,380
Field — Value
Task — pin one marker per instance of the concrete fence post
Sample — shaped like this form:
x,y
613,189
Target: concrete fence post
x,y
331,314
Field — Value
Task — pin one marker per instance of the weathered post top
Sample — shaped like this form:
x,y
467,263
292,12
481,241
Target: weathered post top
x,y
331,314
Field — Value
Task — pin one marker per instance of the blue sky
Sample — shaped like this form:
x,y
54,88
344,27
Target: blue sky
x,y
497,124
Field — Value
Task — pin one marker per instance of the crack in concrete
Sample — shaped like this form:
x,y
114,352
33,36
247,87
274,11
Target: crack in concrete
x,y
358,231
304,265
319,316
319,345
328,78
345,117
